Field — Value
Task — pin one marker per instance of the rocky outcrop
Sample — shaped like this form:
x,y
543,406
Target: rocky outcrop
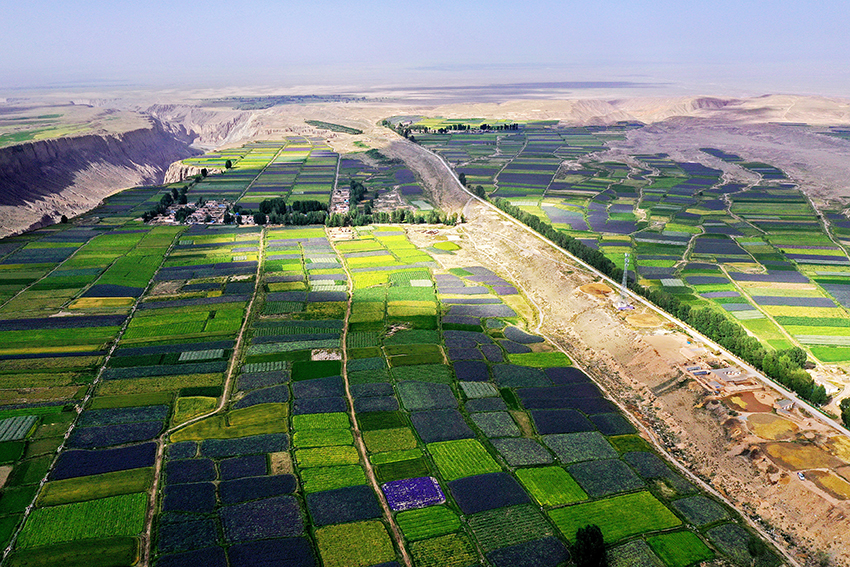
x,y
72,174
179,171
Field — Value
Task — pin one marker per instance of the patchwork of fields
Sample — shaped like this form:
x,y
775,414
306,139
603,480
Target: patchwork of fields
x,y
381,175
298,169
295,168
238,396
758,252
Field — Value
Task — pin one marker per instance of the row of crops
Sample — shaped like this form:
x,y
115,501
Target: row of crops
x,y
67,292
300,169
186,291
377,398
376,406
759,252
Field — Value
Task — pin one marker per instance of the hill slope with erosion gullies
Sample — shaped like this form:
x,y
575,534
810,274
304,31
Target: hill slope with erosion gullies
x,y
42,180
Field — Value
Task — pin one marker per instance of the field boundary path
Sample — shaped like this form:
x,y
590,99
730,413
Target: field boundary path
x,y
81,407
682,326
145,551
262,171
398,540
640,425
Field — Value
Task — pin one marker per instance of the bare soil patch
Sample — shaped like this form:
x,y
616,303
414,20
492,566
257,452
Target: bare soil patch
x,y
747,402
799,456
772,427
840,447
597,289
640,367
648,320
5,471
831,483
280,463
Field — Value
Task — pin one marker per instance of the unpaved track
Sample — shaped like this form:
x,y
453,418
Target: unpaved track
x,y
398,539
628,367
646,431
147,541
145,538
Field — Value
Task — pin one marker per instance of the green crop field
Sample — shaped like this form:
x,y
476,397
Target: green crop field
x,y
466,457
619,517
428,522
106,517
93,488
680,549
551,486
355,545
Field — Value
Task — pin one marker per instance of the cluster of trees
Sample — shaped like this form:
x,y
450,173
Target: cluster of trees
x,y
357,191
278,211
589,547
406,130
281,207
297,219
844,405
357,218
403,131
183,213
500,127
166,201
784,366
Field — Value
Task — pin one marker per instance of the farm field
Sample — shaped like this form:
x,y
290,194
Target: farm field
x,y
294,168
335,398
384,177
338,397
757,252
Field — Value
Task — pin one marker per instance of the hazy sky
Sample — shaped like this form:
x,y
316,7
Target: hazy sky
x,y
717,46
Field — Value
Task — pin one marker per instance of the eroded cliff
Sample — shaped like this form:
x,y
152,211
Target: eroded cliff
x,y
43,180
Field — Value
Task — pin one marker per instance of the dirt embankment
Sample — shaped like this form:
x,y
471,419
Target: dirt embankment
x,y
440,187
40,181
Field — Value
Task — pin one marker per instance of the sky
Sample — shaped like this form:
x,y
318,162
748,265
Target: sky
x,y
719,47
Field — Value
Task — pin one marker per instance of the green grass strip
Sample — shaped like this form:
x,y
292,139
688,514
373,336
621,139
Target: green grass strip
x,y
328,478
619,517
427,522
464,457
551,486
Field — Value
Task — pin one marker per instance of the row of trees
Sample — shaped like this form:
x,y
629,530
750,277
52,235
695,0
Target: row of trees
x,y
784,366
406,130
292,218
281,207
356,218
278,211
844,406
